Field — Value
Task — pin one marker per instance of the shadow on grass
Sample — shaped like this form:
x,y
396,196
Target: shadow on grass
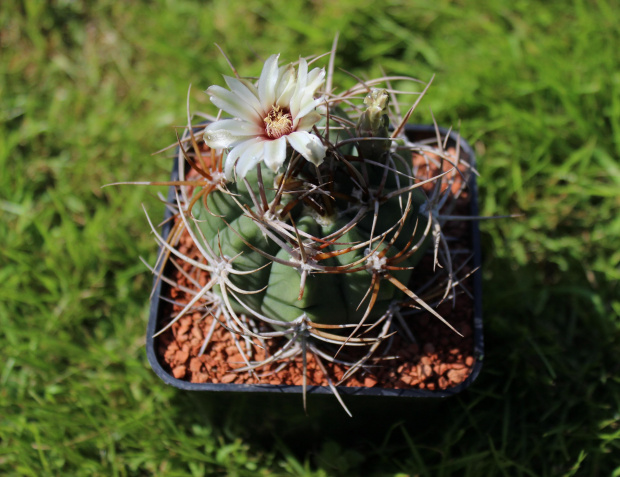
x,y
331,439
545,403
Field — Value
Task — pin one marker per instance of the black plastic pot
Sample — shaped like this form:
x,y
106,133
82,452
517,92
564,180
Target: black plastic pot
x,y
416,133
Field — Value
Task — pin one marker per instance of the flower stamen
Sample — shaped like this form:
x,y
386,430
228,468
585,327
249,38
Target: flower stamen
x,y
278,123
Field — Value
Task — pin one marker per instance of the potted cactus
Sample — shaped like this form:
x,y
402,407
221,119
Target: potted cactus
x,y
308,236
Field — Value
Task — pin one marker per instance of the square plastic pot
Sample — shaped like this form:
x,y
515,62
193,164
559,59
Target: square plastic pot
x,y
416,133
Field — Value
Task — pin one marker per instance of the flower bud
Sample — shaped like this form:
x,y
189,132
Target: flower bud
x,y
373,123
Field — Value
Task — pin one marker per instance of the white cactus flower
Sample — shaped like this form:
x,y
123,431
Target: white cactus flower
x,y
281,108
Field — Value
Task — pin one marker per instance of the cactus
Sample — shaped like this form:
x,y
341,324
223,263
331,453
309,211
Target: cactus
x,y
309,215
316,236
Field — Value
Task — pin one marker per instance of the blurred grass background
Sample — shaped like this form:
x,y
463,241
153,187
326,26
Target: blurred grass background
x,y
88,90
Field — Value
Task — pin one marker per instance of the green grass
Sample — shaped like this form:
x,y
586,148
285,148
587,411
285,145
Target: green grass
x,y
88,92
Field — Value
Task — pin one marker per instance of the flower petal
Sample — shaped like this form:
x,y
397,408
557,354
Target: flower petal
x,y
286,87
306,122
300,89
307,105
267,82
308,145
226,132
315,79
250,96
275,153
232,104
235,154
249,158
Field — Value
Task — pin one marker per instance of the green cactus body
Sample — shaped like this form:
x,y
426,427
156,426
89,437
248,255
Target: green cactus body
x,y
329,297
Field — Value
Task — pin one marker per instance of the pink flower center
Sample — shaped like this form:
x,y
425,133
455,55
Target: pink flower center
x,y
278,123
